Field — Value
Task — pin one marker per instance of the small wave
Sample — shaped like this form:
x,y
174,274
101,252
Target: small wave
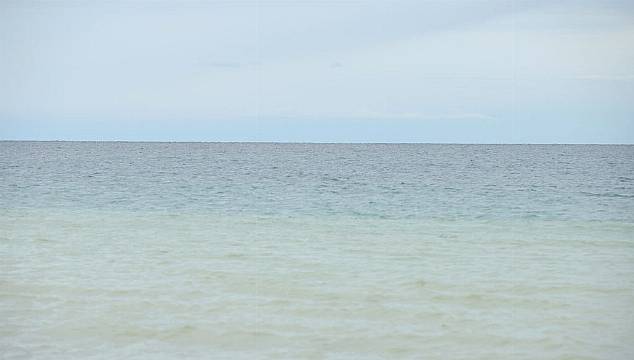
x,y
609,195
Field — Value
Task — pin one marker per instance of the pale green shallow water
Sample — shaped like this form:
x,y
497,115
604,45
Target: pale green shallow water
x,y
392,259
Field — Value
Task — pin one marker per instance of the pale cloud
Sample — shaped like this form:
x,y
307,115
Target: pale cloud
x,y
606,77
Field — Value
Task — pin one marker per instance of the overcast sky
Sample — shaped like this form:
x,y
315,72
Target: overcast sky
x,y
490,71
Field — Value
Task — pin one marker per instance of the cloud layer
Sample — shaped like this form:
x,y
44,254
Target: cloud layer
x,y
465,70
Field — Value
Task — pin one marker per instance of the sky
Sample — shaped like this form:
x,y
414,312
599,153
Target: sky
x,y
456,71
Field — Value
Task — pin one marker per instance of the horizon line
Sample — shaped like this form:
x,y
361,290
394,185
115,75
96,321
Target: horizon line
x,y
308,142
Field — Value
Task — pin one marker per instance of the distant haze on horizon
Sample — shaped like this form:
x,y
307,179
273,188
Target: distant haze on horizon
x,y
462,71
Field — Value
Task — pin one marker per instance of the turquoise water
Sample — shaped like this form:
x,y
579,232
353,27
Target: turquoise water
x,y
206,250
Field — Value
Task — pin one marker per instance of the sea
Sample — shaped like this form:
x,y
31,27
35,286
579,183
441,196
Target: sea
x,y
132,250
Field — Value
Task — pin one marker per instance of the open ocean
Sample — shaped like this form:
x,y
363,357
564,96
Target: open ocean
x,y
113,250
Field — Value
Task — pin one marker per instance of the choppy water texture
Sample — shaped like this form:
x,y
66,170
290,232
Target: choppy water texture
x,y
156,250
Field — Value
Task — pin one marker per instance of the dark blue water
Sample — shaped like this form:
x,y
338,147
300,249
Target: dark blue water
x,y
580,182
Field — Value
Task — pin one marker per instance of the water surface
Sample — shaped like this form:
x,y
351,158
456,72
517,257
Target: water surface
x,y
172,250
